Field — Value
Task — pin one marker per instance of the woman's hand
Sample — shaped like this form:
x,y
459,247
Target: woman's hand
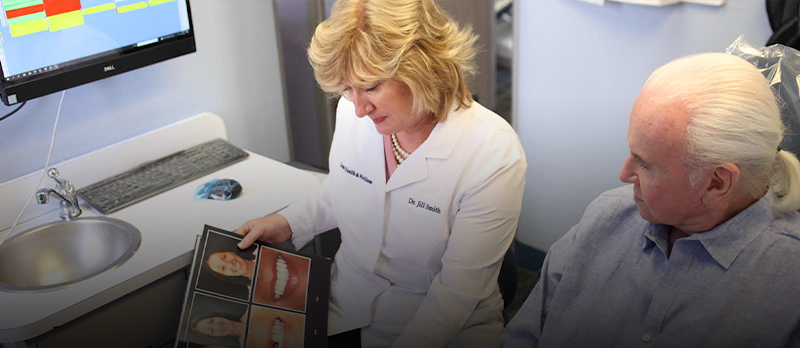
x,y
273,229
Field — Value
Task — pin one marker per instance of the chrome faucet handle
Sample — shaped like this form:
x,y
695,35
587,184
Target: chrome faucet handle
x,y
61,184
65,191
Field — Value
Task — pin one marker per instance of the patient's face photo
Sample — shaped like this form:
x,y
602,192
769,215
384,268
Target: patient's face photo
x,y
216,321
214,326
229,264
282,280
225,269
271,327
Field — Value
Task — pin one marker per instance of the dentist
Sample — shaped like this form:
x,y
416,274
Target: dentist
x,y
425,184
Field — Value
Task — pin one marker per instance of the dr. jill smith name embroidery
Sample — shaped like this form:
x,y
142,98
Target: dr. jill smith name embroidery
x,y
355,173
423,205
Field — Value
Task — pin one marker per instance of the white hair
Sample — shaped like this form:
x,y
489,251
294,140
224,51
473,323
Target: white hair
x,y
734,118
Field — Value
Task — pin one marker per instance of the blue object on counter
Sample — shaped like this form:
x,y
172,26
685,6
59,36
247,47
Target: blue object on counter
x,y
219,189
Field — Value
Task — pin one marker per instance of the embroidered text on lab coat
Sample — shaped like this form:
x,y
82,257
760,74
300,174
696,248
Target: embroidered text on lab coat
x,y
424,205
355,173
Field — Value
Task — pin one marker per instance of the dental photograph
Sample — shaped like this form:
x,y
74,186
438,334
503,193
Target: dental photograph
x,y
226,269
282,280
287,303
215,322
271,327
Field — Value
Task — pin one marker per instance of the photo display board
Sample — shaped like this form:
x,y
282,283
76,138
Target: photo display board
x,y
262,296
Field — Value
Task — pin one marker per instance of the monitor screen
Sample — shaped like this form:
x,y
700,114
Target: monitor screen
x,y
50,45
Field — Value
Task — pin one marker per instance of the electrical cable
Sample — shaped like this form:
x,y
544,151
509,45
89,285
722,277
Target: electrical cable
x,y
13,112
46,164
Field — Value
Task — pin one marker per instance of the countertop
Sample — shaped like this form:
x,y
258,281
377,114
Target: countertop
x,y
168,222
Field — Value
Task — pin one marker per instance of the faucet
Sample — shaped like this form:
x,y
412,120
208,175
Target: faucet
x,y
63,190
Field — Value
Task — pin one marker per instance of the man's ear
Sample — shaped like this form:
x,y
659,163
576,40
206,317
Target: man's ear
x,y
721,185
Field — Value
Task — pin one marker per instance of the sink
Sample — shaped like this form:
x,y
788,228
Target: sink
x,y
60,253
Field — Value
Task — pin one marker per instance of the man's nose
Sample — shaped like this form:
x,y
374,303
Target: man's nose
x,y
363,104
625,173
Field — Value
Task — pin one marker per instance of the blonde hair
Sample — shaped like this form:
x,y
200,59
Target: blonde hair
x,y
735,119
413,41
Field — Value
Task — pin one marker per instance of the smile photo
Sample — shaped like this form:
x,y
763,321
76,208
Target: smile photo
x,y
282,280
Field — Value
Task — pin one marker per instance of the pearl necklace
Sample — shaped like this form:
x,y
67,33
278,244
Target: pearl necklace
x,y
400,155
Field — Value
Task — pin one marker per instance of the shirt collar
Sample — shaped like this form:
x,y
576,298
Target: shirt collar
x,y
726,241
656,235
445,135
440,144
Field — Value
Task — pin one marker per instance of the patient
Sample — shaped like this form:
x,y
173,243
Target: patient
x,y
229,264
225,268
216,322
220,325
703,249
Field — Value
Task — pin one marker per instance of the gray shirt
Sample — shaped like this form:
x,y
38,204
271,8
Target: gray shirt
x,y
608,283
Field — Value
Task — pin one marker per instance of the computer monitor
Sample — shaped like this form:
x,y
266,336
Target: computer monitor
x,y
51,45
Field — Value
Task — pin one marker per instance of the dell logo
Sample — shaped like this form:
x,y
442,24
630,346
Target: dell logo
x,y
108,68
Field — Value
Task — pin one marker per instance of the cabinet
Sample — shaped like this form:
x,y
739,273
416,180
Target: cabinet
x,y
145,318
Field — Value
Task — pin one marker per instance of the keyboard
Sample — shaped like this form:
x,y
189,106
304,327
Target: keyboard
x,y
154,177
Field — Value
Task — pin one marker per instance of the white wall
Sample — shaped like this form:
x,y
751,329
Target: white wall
x,y
578,69
234,73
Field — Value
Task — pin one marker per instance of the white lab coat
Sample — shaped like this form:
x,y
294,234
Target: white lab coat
x,y
421,253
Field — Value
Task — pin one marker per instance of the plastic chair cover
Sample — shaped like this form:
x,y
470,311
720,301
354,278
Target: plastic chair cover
x,y
781,66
